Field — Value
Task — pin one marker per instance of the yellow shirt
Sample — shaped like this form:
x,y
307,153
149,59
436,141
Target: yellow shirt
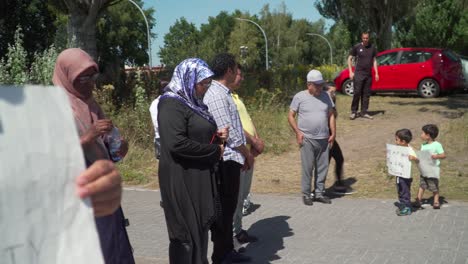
x,y
246,121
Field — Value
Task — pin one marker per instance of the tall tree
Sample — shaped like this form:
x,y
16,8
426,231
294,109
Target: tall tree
x,y
340,38
436,24
247,36
83,15
214,36
276,24
33,17
180,43
363,15
122,34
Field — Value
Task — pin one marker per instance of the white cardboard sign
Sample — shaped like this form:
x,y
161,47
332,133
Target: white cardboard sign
x,y
42,221
398,163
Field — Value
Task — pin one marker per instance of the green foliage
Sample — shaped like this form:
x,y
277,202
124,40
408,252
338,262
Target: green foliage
x,y
246,34
180,43
436,24
215,36
340,38
329,72
378,17
42,69
122,34
288,42
36,20
14,69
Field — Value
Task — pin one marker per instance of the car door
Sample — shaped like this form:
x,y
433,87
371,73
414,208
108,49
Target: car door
x,y
386,63
412,67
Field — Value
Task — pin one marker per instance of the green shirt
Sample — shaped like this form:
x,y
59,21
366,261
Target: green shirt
x,y
434,148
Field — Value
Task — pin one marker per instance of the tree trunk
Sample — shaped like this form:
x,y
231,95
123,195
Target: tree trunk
x,y
82,23
82,33
385,35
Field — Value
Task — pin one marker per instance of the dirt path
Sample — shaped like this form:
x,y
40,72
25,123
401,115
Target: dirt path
x,y
363,143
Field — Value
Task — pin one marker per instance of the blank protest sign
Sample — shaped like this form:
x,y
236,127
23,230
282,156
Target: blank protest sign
x,y
41,219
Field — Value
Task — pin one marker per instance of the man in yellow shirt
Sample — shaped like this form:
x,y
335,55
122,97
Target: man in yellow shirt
x,y
255,145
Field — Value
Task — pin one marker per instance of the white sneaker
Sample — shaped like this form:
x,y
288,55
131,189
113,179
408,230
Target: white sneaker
x,y
238,247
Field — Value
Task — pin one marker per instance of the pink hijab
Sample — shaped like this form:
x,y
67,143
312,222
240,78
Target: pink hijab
x,y
69,65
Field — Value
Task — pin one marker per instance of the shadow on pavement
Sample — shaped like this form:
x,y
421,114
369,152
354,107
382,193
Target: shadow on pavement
x,y
270,232
333,193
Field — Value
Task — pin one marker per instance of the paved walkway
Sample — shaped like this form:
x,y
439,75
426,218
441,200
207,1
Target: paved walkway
x,y
350,231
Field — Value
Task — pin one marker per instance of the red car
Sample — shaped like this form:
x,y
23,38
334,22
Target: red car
x,y
427,71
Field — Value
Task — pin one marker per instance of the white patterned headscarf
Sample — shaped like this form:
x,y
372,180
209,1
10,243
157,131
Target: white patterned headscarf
x,y
182,85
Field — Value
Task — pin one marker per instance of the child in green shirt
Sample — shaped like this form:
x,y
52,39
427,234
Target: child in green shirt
x,y
428,135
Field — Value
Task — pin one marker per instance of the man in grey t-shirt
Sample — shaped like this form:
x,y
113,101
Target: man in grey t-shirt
x,y
315,133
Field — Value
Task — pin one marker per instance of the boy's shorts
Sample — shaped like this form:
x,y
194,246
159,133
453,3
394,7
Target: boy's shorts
x,y
431,184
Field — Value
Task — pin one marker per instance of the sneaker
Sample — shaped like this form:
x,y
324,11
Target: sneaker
x,y
404,211
245,211
238,247
353,116
367,116
307,200
323,199
417,204
243,237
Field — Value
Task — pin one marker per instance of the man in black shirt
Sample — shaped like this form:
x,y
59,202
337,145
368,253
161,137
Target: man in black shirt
x,y
364,54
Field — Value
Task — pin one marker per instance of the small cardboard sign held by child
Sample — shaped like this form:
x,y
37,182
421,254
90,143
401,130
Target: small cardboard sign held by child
x,y
398,163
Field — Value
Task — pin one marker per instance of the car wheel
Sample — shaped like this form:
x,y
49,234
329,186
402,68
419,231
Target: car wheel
x,y
428,88
348,87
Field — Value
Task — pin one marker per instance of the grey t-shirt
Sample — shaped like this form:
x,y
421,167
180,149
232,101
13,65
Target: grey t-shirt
x,y
313,113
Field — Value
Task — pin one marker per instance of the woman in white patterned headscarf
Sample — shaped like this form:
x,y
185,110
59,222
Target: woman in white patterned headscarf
x,y
190,150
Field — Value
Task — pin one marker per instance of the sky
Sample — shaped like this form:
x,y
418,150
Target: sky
x,y
197,12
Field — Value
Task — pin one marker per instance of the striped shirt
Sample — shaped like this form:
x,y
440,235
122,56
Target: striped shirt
x,y
221,105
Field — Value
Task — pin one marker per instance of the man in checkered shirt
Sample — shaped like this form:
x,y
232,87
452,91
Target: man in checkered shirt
x,y
236,156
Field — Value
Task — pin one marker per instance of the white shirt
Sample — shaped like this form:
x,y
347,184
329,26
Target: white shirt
x,y
154,116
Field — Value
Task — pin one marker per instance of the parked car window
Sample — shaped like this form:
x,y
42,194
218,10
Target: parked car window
x,y
452,56
411,57
387,59
427,55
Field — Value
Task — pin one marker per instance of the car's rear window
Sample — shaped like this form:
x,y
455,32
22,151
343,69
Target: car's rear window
x,y
452,56
414,56
427,55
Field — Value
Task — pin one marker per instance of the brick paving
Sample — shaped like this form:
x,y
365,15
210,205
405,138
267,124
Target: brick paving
x,y
349,231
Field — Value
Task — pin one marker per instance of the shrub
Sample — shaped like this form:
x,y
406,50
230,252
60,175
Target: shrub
x,y
14,69
42,69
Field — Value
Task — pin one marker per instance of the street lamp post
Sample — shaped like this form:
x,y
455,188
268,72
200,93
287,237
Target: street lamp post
x,y
329,45
264,35
147,32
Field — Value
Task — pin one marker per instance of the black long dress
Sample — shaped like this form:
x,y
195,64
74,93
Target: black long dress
x,y
187,179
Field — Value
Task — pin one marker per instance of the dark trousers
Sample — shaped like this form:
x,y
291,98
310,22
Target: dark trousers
x,y
221,231
113,237
362,88
337,155
404,190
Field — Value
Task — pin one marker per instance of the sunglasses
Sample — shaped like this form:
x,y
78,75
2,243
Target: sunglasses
x,y
88,78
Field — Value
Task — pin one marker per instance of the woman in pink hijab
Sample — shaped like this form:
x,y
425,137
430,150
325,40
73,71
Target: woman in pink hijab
x,y
76,72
